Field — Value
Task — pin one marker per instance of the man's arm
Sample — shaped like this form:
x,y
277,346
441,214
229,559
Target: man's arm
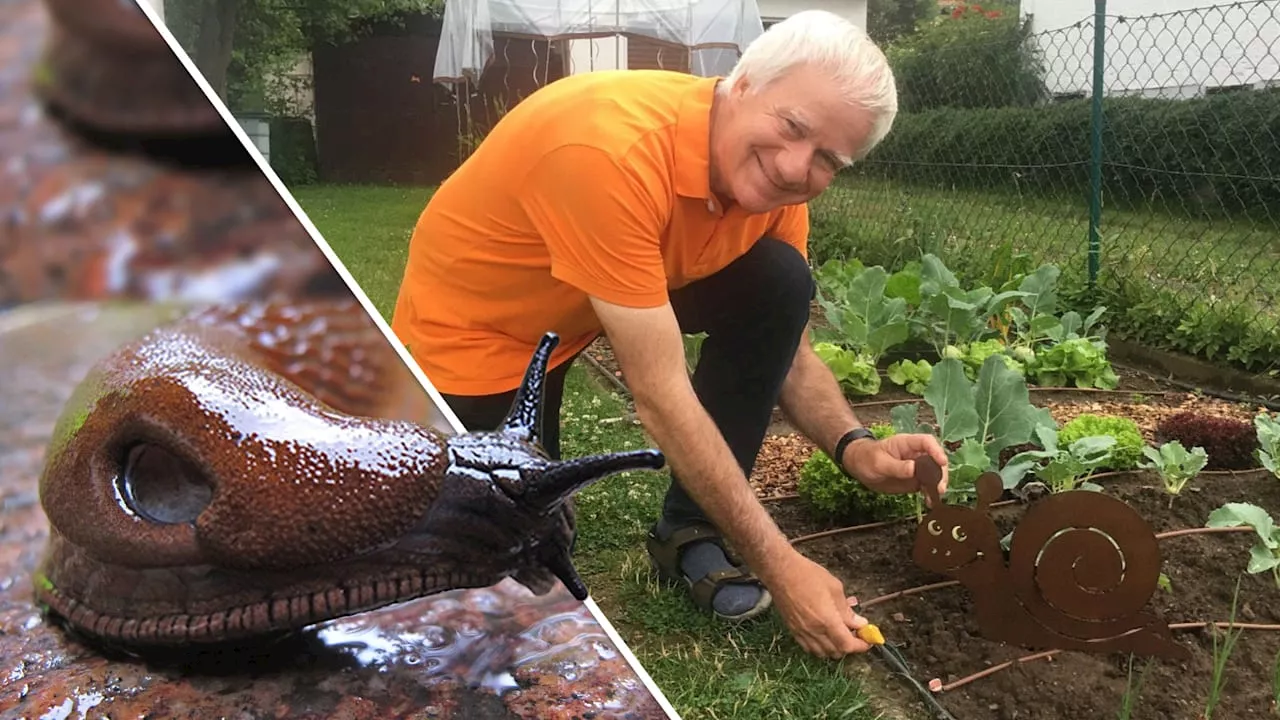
x,y
649,348
812,400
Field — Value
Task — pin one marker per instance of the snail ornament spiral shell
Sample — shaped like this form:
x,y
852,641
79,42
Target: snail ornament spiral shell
x,y
1080,572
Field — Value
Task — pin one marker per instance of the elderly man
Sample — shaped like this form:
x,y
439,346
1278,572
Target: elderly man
x,y
642,204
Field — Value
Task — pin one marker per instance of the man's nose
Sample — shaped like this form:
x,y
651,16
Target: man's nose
x,y
793,166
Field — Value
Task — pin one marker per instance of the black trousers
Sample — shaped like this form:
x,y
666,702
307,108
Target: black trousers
x,y
754,312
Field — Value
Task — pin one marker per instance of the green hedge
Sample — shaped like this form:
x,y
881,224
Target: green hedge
x,y
1206,156
293,151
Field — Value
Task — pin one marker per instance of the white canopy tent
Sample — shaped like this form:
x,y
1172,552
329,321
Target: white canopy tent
x,y
714,31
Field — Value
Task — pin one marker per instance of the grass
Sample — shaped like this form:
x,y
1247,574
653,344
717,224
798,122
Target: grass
x,y
706,670
1229,256
369,229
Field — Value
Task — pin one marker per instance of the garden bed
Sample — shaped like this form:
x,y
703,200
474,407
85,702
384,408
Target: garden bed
x,y
936,633
1015,388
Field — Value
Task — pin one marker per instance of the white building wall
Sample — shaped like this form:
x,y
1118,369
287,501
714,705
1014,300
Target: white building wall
x,y
1164,48
852,10
611,53
591,54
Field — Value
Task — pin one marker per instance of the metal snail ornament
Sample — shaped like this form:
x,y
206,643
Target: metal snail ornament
x,y
1081,570
200,490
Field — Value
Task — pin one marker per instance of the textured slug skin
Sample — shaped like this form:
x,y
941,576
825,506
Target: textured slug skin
x,y
214,390
303,483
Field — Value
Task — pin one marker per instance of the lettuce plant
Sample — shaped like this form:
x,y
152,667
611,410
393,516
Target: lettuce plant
x,y
1129,441
1229,443
831,493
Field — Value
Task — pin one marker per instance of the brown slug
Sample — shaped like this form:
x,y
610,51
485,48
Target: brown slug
x,y
121,180
106,66
226,476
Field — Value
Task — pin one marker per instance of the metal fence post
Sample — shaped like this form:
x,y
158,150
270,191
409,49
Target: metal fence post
x,y
1095,139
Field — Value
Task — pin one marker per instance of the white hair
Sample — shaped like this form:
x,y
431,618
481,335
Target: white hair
x,y
840,48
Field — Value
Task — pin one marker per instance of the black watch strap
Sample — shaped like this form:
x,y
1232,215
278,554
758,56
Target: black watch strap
x,y
854,434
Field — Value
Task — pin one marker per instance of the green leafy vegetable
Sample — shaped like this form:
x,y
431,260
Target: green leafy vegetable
x,y
1265,554
1129,441
852,370
984,417
832,493
1175,464
1268,432
865,322
913,376
1060,467
1077,361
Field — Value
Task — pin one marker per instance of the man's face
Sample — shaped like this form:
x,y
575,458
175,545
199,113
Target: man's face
x,y
782,144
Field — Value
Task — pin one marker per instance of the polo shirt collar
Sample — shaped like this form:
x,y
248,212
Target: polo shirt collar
x,y
693,143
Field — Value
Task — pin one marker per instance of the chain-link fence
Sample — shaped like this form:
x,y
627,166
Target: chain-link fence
x,y
1138,153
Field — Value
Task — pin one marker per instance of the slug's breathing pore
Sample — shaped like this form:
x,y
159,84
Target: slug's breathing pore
x,y
232,475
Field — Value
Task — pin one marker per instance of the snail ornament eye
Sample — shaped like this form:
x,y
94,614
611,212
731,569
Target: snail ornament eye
x,y
958,534
934,528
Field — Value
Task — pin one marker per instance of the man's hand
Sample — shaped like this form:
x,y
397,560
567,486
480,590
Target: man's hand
x,y
814,608
888,465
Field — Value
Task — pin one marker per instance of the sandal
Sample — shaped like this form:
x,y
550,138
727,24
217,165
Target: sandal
x,y
664,559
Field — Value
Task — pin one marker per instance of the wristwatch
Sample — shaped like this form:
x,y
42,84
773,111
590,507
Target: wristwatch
x,y
857,433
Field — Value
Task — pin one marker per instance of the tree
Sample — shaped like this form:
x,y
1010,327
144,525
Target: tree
x,y
977,56
888,20
245,47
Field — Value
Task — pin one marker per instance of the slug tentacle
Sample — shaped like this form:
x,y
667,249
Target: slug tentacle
x,y
239,472
525,418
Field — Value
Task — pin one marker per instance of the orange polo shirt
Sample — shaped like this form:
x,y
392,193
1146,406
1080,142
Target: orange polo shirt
x,y
594,185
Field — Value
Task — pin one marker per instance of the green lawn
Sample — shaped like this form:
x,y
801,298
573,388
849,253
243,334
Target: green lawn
x,y
704,669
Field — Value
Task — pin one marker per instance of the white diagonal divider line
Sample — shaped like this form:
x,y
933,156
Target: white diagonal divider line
x,y
176,48
29,314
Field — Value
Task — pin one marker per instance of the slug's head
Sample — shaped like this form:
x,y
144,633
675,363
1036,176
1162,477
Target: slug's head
x,y
503,499
950,537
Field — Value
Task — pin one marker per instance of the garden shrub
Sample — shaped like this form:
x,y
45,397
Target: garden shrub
x,y
1125,454
1230,444
1146,141
977,56
830,493
293,151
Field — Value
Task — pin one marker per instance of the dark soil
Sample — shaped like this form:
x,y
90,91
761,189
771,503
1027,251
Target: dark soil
x,y
936,634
